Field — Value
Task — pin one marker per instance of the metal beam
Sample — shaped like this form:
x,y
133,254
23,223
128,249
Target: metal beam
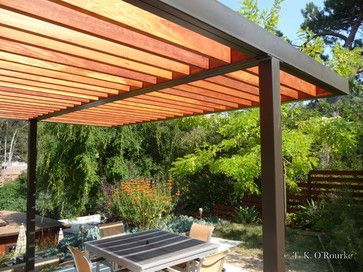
x,y
31,190
273,226
168,84
209,18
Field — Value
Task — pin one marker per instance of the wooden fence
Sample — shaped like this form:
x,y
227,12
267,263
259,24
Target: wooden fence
x,y
320,183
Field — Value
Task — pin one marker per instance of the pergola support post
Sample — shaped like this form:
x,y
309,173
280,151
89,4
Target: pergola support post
x,y
273,226
31,191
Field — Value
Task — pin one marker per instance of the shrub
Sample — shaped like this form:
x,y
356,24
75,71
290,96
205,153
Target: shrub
x,y
308,214
341,218
13,195
75,240
182,223
141,203
247,215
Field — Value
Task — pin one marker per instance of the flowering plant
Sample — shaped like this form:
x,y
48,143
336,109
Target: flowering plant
x,y
142,203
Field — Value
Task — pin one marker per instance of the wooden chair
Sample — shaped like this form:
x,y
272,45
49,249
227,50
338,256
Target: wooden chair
x,y
201,232
84,265
212,263
80,260
111,229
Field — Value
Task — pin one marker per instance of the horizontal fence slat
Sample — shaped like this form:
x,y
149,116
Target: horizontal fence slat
x,y
323,183
338,179
337,172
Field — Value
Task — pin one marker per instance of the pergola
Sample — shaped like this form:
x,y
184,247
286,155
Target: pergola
x,y
113,62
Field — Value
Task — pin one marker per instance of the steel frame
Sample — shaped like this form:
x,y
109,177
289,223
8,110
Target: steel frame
x,y
270,53
273,210
31,196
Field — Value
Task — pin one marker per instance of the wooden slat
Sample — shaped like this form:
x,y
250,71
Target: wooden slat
x,y
16,96
337,172
77,51
338,186
23,111
74,75
148,23
127,107
70,36
48,55
107,111
53,91
234,84
143,100
66,90
220,89
67,83
101,114
192,99
87,123
34,101
216,102
214,94
143,106
335,179
31,103
115,121
175,100
40,94
52,12
15,105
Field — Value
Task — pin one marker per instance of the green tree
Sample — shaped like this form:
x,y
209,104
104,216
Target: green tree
x,y
266,18
338,20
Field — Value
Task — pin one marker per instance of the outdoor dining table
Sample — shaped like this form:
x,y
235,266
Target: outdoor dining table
x,y
150,251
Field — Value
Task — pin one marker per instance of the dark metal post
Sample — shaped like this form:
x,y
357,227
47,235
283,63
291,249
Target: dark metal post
x,y
31,189
273,225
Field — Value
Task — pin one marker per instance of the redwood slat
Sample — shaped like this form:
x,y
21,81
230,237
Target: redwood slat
x,y
150,24
73,75
70,36
64,16
48,55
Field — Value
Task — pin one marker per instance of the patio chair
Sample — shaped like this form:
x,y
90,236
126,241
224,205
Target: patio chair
x,y
212,263
201,232
80,260
82,264
111,230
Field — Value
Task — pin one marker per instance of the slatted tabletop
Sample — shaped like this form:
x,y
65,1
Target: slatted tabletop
x,y
150,251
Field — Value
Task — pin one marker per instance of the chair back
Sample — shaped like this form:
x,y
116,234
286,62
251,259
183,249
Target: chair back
x,y
201,232
80,260
213,263
111,229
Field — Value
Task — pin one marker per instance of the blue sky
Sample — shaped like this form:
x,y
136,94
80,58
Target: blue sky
x,y
291,16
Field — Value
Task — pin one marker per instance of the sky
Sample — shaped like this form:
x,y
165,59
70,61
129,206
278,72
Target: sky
x,y
291,16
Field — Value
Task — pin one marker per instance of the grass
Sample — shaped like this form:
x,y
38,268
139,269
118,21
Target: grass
x,y
249,252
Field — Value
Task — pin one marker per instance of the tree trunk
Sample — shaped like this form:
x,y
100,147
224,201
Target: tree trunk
x,y
12,146
6,140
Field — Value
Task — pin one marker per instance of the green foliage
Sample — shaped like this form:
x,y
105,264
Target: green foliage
x,y
13,195
268,19
341,220
75,240
308,214
338,19
182,223
237,155
247,215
